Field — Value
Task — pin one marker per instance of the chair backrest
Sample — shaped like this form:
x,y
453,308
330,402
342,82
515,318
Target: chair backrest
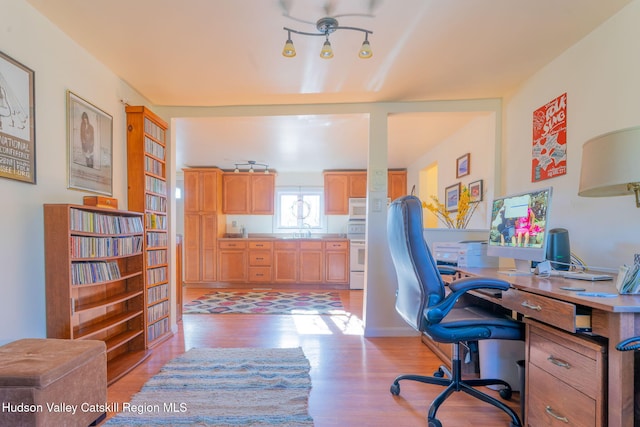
x,y
419,282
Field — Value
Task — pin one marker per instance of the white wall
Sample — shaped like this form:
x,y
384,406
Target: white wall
x,y
478,138
600,76
59,65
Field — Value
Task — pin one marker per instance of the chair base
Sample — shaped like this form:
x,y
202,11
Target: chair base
x,y
456,383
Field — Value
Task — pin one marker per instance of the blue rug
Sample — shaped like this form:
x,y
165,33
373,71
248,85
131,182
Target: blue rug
x,y
254,387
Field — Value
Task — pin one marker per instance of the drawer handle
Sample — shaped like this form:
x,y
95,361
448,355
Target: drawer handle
x,y
531,306
259,258
549,411
559,362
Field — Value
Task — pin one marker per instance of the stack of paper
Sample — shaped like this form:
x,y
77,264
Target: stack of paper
x,y
629,279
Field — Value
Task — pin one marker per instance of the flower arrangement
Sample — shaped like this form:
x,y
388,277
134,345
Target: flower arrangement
x,y
466,208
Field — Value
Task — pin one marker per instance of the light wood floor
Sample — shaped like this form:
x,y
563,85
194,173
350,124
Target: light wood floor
x,y
350,374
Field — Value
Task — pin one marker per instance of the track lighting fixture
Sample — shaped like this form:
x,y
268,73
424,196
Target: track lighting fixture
x,y
252,164
326,26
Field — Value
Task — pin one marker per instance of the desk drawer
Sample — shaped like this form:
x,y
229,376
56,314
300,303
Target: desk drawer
x,y
576,366
548,310
551,402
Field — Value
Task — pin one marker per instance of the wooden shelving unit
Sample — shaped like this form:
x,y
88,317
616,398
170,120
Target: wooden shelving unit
x,y
147,193
94,280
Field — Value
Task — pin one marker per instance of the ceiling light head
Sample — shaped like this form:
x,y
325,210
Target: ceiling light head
x,y
326,52
365,50
289,50
252,164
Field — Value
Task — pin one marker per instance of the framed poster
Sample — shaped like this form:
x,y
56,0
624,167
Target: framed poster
x,y
17,122
89,145
451,197
475,191
549,155
463,166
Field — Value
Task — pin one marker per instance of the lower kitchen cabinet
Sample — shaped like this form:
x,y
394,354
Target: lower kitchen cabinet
x,y
311,262
336,261
260,261
232,261
285,262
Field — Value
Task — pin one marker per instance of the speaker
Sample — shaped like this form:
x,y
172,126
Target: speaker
x,y
558,249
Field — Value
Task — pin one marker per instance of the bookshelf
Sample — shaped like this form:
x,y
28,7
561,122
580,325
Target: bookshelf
x,y
147,193
94,280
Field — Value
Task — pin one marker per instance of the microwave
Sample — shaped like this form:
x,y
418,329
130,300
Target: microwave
x,y
358,208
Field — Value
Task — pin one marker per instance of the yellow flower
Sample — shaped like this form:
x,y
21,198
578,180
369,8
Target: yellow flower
x,y
466,208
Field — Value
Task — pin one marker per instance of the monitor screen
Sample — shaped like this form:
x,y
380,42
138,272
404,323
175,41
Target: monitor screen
x,y
518,230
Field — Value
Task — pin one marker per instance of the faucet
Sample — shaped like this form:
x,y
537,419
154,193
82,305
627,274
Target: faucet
x,y
308,227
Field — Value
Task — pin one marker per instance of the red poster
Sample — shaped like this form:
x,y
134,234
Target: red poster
x,y
549,157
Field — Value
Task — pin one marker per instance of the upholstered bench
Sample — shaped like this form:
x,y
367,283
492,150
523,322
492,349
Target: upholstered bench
x,y
52,382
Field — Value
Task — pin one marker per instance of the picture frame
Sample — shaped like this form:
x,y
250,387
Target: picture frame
x,y
89,146
476,191
463,165
451,197
17,121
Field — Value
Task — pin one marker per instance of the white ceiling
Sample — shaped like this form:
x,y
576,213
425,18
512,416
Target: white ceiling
x,y
228,52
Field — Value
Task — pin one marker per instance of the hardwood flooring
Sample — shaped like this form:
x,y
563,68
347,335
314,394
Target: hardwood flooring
x,y
350,374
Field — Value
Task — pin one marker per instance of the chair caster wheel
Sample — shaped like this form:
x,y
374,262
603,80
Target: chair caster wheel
x,y
506,393
395,389
434,423
439,373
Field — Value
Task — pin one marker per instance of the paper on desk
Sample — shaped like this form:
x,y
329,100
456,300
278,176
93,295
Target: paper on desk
x,y
628,279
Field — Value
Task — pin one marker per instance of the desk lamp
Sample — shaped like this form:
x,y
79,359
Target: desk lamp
x,y
611,165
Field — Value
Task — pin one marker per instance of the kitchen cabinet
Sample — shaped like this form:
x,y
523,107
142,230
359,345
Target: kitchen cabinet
x,y
203,223
285,262
340,186
396,184
337,261
247,193
260,261
311,262
232,261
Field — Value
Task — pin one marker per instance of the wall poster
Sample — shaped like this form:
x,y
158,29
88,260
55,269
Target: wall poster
x,y
549,157
17,124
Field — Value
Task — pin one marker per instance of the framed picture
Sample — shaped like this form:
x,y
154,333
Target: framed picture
x,y
475,191
17,121
89,144
463,165
451,196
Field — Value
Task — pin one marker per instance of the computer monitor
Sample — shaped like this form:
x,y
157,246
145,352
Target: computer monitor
x,y
519,224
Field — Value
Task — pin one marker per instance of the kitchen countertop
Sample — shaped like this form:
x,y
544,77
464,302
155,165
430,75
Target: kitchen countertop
x,y
265,236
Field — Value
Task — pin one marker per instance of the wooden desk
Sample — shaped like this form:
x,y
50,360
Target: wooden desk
x,y
614,318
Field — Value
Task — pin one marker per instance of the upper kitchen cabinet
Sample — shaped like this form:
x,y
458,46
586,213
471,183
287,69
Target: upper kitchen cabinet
x,y
340,186
396,183
247,193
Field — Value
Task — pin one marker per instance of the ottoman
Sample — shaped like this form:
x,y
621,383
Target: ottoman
x,y
53,382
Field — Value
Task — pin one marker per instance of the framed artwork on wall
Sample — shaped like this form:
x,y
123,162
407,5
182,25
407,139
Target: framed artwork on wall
x,y
89,145
463,165
475,191
17,121
451,197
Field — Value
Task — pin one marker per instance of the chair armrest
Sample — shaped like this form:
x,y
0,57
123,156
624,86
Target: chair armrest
x,y
469,283
447,270
437,312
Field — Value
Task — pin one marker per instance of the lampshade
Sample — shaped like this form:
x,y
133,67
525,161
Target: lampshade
x,y
289,50
365,50
610,164
326,51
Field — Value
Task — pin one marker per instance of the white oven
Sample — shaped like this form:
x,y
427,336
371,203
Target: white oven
x,y
357,258
356,229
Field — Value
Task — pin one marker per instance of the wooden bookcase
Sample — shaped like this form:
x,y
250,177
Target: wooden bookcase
x,y
147,193
94,280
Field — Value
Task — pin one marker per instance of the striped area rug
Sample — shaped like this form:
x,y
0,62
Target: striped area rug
x,y
254,387
266,302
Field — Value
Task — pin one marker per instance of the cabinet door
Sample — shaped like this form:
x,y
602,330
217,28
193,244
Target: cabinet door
x,y
233,265
311,262
397,184
262,194
191,191
235,193
191,247
358,184
337,262
336,194
208,241
209,191
285,265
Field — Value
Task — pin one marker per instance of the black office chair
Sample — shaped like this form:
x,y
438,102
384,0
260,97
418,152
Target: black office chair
x,y
422,301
